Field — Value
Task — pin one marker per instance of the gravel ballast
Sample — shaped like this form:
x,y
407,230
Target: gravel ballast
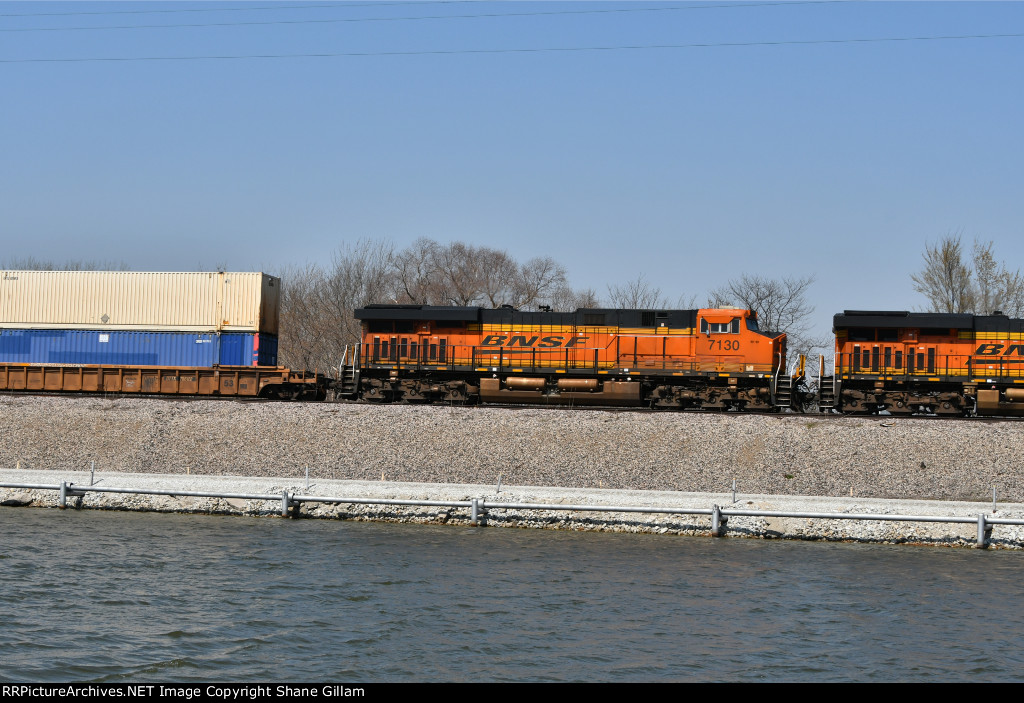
x,y
790,462
877,457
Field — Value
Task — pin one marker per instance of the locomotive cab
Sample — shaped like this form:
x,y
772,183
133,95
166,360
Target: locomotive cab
x,y
730,340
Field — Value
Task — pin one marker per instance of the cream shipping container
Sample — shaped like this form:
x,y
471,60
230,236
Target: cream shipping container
x,y
136,300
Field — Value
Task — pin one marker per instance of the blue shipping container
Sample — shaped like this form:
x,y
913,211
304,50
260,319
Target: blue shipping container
x,y
124,348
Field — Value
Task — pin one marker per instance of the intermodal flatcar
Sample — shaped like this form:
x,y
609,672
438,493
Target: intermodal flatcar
x,y
705,358
269,382
193,333
947,364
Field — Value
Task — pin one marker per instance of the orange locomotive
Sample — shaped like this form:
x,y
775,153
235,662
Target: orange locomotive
x,y
948,364
711,359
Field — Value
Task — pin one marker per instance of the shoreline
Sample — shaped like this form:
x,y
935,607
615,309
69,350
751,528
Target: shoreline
x,y
788,454
876,532
783,463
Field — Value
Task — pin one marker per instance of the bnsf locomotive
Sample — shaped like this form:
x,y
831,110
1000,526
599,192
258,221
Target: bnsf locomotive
x,y
947,364
708,358
885,361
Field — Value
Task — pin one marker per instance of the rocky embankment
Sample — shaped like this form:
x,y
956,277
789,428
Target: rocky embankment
x,y
957,460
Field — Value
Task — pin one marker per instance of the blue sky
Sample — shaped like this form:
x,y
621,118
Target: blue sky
x,y
689,165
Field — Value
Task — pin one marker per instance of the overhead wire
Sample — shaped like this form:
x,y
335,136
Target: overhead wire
x,y
282,6
450,52
487,15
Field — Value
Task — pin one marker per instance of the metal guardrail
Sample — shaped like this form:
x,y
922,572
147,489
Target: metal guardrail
x,y
479,506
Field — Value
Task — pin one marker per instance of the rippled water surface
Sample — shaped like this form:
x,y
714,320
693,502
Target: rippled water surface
x,y
130,597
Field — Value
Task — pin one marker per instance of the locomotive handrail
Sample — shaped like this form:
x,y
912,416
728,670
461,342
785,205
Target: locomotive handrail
x,y
964,366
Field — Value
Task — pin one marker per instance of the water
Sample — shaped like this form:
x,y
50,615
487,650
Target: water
x,y
122,597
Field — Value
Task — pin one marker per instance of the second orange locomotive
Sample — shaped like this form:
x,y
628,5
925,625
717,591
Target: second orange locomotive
x,y
706,358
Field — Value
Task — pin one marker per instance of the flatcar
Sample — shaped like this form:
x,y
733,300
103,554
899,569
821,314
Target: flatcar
x,y
703,359
904,362
269,382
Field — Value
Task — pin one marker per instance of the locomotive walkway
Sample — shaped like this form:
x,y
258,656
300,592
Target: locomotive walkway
x,y
855,519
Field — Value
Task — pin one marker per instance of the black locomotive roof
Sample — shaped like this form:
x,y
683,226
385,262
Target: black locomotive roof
x,y
932,320
998,323
441,313
597,317
901,318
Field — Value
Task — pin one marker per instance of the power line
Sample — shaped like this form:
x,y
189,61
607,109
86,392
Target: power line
x,y
193,25
443,52
236,9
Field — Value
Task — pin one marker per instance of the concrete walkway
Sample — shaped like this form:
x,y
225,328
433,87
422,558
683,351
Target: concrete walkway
x,y
1003,536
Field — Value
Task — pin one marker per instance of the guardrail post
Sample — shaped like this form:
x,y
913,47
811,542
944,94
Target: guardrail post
x,y
474,512
984,531
286,503
718,522
63,495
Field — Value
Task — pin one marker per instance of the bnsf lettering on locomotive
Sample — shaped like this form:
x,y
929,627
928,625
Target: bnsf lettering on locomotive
x,y
502,340
997,350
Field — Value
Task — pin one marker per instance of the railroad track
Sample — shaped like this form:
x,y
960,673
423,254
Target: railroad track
x,y
827,417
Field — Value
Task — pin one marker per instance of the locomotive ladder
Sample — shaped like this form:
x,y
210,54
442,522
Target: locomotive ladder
x,y
782,387
348,373
783,390
826,389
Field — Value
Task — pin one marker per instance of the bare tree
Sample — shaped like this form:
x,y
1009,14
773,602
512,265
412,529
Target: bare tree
x,y
1012,285
415,279
945,279
986,278
498,275
780,303
459,267
316,321
299,343
686,302
980,286
316,304
429,273
535,281
359,275
995,286
30,263
781,306
637,294
566,299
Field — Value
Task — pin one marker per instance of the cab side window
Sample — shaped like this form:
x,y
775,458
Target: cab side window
x,y
732,327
